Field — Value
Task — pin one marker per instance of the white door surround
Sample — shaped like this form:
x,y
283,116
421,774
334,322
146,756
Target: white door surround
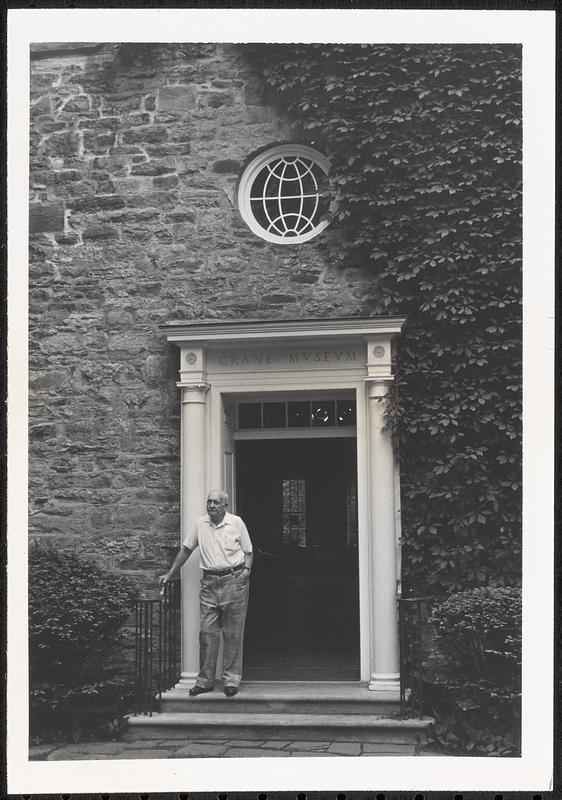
x,y
222,361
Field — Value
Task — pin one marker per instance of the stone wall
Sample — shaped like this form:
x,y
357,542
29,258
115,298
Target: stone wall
x,y
134,160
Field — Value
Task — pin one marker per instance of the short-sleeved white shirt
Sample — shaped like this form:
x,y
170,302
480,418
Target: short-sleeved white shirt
x,y
220,546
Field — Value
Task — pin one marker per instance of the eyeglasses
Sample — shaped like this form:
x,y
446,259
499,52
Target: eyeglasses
x,y
214,503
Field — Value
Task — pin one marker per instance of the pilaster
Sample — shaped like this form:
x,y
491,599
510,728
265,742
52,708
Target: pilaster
x,y
385,665
193,490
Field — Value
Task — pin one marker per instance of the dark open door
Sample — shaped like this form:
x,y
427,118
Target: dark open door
x,y
298,498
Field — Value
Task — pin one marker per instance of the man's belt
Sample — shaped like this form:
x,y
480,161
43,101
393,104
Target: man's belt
x,y
229,571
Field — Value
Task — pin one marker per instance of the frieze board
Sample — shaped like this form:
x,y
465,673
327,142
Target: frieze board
x,y
303,357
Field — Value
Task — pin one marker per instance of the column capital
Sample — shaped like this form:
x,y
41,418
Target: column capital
x,y
193,392
377,388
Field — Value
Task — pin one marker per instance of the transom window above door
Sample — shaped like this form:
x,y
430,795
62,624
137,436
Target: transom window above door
x,y
290,414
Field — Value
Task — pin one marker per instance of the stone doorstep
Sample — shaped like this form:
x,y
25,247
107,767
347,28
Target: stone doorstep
x,y
245,705
282,697
335,727
286,691
173,720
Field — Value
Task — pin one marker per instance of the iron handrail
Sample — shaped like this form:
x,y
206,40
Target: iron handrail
x,y
410,622
157,648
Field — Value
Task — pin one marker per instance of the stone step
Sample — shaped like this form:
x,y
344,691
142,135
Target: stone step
x,y
291,697
272,726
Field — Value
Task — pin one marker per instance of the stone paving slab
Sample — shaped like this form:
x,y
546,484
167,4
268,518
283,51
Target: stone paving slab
x,y
379,753
254,752
144,754
214,748
106,748
309,746
345,749
275,745
39,752
148,744
381,748
196,750
65,755
174,744
241,742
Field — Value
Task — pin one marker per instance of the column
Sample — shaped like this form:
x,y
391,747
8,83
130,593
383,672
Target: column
x,y
193,491
385,666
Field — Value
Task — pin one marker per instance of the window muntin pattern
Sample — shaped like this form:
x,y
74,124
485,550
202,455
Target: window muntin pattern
x,y
282,194
297,414
285,196
294,511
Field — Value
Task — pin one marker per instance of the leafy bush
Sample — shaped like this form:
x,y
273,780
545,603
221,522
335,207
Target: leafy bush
x,y
76,611
480,633
425,146
476,698
92,709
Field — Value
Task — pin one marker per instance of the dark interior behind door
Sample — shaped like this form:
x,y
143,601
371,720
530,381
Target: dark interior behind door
x,y
298,498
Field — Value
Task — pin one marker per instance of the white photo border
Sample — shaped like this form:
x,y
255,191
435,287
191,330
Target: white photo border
x,y
535,30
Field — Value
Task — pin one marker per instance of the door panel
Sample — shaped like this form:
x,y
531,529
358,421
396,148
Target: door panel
x,y
298,499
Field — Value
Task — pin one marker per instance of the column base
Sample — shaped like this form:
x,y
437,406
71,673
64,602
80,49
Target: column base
x,y
384,682
187,677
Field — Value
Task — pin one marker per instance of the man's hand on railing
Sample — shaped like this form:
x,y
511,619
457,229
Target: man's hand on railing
x,y
162,581
182,556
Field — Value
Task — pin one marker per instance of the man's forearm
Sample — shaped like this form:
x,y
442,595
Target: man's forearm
x,y
179,561
248,560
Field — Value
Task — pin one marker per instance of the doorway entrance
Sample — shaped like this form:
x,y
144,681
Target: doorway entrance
x,y
298,498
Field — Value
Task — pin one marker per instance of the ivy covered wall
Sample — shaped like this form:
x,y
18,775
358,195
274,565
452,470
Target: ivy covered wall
x,y
425,143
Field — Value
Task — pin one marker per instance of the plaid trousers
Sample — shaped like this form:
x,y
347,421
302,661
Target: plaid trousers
x,y
223,604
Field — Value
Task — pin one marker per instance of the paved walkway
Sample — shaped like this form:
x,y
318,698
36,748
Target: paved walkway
x,y
208,748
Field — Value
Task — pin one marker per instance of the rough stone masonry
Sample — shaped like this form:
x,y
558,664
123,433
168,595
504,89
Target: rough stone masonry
x,y
135,156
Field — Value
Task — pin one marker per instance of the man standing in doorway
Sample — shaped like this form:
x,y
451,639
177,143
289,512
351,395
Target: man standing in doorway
x,y
226,560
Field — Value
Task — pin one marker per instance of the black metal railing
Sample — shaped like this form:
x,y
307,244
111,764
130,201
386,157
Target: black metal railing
x,y
410,617
157,648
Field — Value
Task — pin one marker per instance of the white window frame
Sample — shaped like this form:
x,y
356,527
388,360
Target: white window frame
x,y
251,172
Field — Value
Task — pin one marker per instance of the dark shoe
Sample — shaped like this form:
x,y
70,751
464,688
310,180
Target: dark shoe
x,y
230,691
195,690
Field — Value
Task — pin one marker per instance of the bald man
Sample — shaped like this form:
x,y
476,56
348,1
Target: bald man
x,y
226,558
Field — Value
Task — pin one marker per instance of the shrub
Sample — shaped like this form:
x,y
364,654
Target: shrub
x,y
76,611
476,698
